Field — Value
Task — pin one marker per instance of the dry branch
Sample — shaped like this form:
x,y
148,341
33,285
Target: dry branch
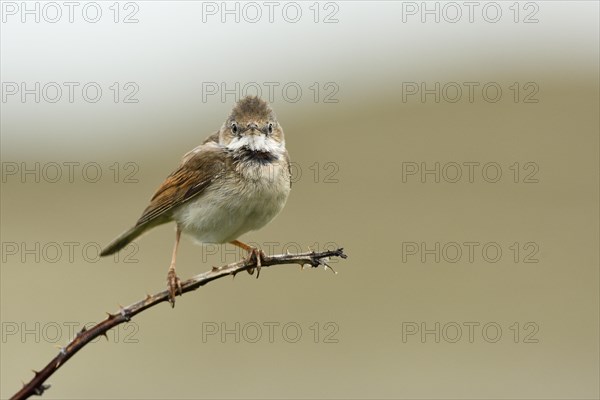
x,y
37,386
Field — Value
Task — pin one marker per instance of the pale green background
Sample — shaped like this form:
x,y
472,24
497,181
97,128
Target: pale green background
x,y
368,134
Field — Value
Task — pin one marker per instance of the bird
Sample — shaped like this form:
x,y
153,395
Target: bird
x,y
236,181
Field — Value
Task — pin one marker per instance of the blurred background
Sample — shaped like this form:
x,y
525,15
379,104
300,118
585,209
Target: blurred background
x,y
451,149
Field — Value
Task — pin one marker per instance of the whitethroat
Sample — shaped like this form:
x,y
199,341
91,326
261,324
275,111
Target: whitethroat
x,y
236,181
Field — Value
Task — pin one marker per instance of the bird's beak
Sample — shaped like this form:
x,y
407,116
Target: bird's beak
x,y
253,127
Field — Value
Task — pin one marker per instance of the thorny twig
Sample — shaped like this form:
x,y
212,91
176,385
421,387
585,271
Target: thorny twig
x,y
37,386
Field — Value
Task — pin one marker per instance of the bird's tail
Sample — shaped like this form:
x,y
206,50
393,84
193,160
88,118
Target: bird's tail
x,y
124,239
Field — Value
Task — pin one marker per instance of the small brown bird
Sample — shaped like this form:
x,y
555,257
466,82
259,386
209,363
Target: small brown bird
x,y
236,181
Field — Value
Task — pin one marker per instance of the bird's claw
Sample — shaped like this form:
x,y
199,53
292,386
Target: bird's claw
x,y
174,286
259,255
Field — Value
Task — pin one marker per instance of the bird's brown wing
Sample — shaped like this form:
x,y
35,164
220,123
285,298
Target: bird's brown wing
x,y
212,138
200,168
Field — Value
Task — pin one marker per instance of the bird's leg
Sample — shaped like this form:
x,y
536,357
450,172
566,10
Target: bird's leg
x,y
254,252
173,281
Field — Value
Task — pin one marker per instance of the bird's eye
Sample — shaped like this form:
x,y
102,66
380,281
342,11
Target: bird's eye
x,y
234,128
270,127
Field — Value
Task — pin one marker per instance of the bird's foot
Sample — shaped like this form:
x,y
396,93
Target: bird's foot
x,y
174,286
255,254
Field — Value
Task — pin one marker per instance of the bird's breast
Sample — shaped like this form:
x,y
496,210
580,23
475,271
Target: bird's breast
x,y
244,198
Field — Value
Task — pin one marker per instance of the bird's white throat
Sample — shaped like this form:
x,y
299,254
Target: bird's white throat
x,y
257,143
